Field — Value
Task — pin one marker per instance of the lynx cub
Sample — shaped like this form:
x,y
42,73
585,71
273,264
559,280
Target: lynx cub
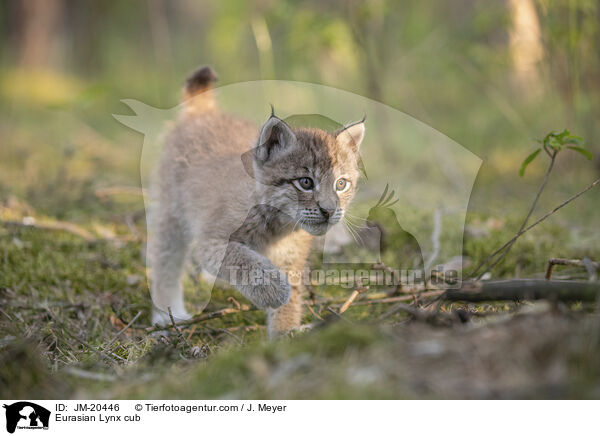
x,y
238,215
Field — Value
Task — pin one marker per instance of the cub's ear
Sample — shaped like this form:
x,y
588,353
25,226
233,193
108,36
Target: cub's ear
x,y
275,136
351,135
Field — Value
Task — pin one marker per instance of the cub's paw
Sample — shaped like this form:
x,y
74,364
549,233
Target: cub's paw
x,y
162,318
273,294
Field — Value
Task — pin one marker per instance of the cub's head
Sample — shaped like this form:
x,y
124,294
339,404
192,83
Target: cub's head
x,y
308,174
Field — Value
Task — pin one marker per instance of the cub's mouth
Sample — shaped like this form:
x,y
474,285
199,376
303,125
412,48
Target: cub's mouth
x,y
317,225
317,228
320,227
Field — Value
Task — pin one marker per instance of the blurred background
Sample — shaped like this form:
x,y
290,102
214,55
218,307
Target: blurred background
x,y
494,76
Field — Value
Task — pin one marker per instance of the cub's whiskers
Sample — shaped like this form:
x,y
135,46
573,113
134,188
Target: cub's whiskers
x,y
297,222
353,231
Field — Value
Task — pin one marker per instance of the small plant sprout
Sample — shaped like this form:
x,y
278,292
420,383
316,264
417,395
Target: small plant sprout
x,y
553,143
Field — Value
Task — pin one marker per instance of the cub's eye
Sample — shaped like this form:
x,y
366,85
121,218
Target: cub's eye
x,y
342,185
304,184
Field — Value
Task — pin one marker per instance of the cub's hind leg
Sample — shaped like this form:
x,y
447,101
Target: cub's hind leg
x,y
168,252
288,316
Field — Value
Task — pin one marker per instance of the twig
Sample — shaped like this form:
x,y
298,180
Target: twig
x,y
95,350
120,332
245,328
81,373
117,190
383,267
226,331
206,316
52,225
518,235
129,220
531,209
349,301
64,226
351,298
337,315
397,299
192,332
435,239
412,310
381,298
311,292
235,303
571,262
81,341
5,314
177,329
315,314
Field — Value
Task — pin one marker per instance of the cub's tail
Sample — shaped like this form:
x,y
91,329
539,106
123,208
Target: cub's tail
x,y
197,92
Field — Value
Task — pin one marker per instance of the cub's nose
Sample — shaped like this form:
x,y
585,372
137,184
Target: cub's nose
x,y
327,212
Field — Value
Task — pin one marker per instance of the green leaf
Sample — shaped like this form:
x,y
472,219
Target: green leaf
x,y
546,139
555,143
572,139
582,151
528,160
562,135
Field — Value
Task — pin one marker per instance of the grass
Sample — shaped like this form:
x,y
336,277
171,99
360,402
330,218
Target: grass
x,y
63,301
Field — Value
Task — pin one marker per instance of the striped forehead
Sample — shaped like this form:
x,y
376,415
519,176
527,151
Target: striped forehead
x,y
320,150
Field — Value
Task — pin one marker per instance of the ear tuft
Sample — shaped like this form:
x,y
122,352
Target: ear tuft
x,y
275,136
352,135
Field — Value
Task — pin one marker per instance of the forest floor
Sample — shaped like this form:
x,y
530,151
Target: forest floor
x,y
74,323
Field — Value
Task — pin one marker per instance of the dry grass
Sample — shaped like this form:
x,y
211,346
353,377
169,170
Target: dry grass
x,y
74,323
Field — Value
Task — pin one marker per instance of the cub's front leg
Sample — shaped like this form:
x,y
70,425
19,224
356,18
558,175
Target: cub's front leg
x,y
250,272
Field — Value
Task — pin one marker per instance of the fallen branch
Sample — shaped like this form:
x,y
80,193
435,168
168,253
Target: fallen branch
x,y
74,229
511,290
570,262
205,317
